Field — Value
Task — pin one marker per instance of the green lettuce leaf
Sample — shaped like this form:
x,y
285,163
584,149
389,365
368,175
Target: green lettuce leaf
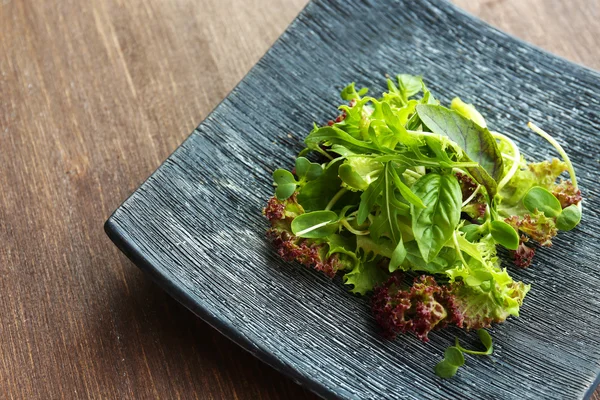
x,y
483,305
365,276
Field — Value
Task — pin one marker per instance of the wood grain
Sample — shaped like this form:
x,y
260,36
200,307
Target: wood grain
x,y
93,96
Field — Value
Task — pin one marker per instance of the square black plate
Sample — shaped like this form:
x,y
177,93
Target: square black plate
x,y
195,226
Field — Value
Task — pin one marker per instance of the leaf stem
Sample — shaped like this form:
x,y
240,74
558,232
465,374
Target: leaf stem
x,y
423,133
458,250
560,150
465,164
323,152
471,197
516,159
412,173
473,352
334,160
352,230
335,198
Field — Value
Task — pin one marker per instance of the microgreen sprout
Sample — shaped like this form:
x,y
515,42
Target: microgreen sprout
x,y
454,355
453,360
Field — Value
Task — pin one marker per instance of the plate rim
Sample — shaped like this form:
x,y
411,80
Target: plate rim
x,y
182,296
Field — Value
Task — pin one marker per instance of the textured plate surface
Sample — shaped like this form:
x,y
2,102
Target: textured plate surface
x,y
196,227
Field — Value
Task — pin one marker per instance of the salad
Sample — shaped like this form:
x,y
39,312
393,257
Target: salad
x,y
408,200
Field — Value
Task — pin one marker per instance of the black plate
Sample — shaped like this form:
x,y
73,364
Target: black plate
x,y
195,225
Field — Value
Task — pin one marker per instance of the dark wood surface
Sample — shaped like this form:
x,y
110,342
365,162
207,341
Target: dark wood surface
x,y
93,96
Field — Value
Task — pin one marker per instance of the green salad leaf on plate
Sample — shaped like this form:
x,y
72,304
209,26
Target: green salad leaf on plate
x,y
408,200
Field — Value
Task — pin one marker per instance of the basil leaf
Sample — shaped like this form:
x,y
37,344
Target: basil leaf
x,y
444,260
434,225
477,142
539,198
315,225
504,234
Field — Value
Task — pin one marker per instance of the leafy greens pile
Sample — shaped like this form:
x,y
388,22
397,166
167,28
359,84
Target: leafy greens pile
x,y
409,200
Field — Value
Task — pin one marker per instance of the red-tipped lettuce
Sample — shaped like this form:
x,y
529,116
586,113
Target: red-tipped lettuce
x,y
419,309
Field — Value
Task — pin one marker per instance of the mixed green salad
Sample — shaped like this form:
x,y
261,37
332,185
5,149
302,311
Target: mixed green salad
x,y
409,199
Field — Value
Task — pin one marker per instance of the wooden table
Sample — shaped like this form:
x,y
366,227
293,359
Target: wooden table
x,y
93,96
